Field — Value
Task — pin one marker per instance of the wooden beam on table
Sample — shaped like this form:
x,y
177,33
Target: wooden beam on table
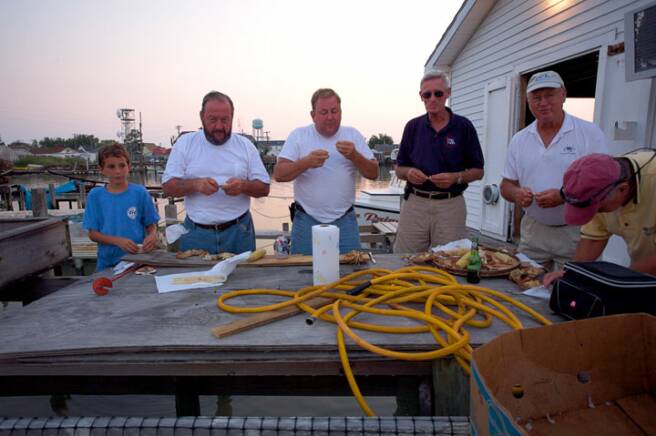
x,y
264,318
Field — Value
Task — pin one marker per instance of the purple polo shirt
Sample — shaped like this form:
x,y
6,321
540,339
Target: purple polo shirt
x,y
452,149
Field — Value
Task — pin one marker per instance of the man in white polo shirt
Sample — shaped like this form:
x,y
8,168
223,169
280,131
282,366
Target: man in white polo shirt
x,y
536,160
324,159
217,173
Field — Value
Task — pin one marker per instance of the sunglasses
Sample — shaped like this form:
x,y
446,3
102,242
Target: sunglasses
x,y
587,202
426,95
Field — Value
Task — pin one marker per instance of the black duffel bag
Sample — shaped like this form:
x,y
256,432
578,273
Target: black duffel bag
x,y
591,289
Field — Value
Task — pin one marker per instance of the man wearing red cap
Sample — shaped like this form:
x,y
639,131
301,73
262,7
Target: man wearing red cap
x,y
535,163
613,196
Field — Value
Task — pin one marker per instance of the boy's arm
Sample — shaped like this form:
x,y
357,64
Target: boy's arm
x,y
124,244
150,240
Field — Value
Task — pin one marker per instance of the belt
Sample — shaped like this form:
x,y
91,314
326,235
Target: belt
x,y
435,195
299,207
222,226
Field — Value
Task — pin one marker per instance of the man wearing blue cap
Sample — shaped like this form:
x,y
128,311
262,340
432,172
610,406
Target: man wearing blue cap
x,y
536,160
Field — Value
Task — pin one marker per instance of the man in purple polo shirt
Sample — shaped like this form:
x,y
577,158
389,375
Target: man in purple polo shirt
x,y
439,155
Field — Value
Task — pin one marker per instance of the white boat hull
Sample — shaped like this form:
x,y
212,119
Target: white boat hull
x,y
378,205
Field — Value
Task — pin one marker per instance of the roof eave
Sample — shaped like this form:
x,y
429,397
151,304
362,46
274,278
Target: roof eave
x,y
461,29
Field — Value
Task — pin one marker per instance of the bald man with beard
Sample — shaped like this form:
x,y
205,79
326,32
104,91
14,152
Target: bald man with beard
x,y
217,173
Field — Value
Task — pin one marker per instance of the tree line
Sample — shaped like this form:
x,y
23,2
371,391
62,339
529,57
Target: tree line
x,y
89,142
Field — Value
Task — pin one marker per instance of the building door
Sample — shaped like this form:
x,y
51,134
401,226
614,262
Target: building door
x,y
494,221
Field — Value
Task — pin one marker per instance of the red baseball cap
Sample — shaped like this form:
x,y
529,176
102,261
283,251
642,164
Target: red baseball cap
x,y
585,185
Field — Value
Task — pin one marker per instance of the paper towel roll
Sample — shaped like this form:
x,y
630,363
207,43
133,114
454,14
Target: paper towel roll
x,y
325,254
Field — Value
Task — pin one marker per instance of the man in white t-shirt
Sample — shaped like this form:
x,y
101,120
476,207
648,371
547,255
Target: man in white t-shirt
x,y
217,173
324,160
536,160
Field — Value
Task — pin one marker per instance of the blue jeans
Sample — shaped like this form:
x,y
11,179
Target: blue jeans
x,y
349,234
236,239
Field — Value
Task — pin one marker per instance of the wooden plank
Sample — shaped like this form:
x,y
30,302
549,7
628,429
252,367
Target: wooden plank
x,y
163,258
30,246
386,228
264,318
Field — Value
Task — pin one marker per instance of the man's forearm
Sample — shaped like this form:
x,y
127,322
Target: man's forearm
x,y
589,249
367,167
287,170
402,172
179,187
471,175
645,265
509,189
255,188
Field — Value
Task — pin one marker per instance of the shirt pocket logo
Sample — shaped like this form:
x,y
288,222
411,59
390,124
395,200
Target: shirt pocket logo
x,y
568,149
450,141
132,213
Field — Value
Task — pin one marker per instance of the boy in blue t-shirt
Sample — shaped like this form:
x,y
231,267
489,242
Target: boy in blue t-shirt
x,y
120,215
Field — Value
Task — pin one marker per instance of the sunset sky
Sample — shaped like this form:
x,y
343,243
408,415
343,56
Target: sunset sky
x,y
68,65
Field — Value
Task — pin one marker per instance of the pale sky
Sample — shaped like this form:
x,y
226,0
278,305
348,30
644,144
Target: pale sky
x,y
67,65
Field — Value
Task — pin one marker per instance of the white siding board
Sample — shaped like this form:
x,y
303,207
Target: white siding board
x,y
532,24
535,45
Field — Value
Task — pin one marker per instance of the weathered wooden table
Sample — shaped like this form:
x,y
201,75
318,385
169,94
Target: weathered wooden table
x,y
135,340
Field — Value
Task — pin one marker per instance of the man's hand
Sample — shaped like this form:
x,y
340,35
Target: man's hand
x,y
233,186
125,244
444,180
551,277
524,197
206,185
549,198
149,242
316,158
416,176
347,149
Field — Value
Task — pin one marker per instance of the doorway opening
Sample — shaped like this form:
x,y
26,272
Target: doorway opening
x,y
580,77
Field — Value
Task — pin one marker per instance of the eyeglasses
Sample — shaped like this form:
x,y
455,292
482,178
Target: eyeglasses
x,y
427,95
587,202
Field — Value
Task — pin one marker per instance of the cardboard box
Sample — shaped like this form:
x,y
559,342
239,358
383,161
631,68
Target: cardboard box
x,y
593,377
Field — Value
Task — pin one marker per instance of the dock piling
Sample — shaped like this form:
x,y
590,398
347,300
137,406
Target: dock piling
x,y
39,204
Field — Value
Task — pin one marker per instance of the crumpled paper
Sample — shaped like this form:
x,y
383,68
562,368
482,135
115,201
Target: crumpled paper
x,y
223,268
174,232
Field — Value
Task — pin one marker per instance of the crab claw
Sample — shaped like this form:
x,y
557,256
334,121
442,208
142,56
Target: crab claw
x,y
100,286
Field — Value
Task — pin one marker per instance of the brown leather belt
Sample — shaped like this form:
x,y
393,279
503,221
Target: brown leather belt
x,y
220,227
435,195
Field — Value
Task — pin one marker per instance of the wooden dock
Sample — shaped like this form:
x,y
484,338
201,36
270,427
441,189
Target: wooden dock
x,y
135,340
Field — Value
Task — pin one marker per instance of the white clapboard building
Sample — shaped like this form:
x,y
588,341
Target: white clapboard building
x,y
493,46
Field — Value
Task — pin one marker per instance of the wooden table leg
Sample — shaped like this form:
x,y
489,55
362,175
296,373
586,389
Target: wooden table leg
x,y
451,388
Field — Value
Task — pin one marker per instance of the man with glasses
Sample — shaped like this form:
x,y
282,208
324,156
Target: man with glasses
x,y
536,160
613,196
324,159
439,155
217,173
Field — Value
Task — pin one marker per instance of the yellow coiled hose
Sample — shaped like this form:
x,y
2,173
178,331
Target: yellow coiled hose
x,y
448,307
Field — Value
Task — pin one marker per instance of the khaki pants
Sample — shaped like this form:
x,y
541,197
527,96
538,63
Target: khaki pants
x,y
424,223
546,244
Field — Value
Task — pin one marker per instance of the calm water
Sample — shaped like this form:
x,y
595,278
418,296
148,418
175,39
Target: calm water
x,y
269,213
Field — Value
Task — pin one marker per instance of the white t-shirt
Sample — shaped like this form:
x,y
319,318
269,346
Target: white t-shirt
x,y
540,168
194,157
326,192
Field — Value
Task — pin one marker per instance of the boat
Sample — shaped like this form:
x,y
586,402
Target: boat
x,y
380,205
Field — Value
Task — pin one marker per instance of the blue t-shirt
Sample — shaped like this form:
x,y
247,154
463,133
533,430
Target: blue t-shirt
x,y
452,149
126,214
